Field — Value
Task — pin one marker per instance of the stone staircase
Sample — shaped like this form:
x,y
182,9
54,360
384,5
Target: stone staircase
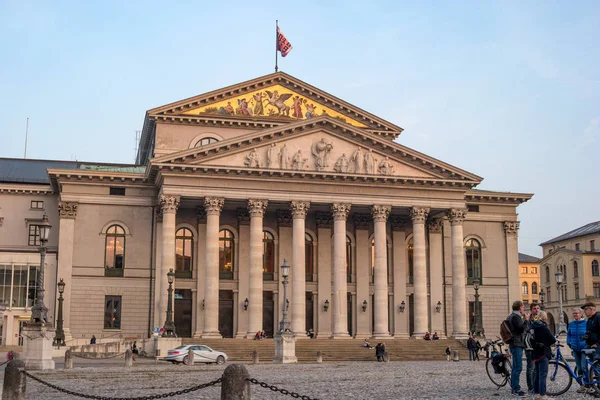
x,y
241,350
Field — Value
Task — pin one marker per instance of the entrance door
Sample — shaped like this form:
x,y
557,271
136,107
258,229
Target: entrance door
x,y
268,313
183,312
309,315
226,313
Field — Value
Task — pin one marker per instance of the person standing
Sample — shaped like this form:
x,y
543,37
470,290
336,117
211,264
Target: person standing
x,y
448,352
471,347
379,349
576,330
516,347
93,339
541,353
592,326
533,316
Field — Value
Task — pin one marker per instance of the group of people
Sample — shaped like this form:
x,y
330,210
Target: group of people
x,y
379,349
260,335
474,348
582,333
428,336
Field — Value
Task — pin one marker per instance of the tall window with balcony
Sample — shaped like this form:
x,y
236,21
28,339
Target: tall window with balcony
x,y
548,275
524,289
576,291
268,256
534,288
226,254
184,253
473,256
575,270
34,235
595,270
114,251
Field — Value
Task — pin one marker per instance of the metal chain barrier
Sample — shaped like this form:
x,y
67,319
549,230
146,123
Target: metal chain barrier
x,y
282,391
97,358
149,397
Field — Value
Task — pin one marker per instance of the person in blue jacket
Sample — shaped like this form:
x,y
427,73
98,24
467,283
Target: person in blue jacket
x,y
577,329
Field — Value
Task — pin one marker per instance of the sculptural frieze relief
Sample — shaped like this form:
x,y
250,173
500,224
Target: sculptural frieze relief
x,y
320,152
299,162
357,161
342,164
252,160
272,156
386,167
284,159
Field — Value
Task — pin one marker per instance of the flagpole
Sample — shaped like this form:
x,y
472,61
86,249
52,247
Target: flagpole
x,y
276,42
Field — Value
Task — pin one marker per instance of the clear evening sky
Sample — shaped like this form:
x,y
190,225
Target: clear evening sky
x,y
508,90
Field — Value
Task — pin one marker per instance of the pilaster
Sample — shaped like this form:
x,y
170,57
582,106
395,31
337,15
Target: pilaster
x,y
460,329
67,212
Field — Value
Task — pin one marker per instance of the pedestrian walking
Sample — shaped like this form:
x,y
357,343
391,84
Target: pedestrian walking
x,y
448,352
541,353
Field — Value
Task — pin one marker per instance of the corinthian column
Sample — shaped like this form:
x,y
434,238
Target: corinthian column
x,y
419,216
340,287
256,209
381,328
299,209
213,207
168,205
459,297
67,213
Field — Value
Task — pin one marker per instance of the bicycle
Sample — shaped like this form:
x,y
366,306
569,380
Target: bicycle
x,y
503,364
560,375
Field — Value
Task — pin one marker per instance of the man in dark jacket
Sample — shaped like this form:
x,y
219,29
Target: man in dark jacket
x,y
517,345
592,325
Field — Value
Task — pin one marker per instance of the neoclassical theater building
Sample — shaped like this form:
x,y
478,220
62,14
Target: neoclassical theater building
x,y
383,241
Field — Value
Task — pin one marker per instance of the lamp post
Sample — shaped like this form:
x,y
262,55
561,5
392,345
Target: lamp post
x,y
169,328
542,298
559,283
284,324
478,323
59,339
39,312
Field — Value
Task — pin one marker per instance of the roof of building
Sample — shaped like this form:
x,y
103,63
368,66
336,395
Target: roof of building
x,y
591,228
524,258
19,170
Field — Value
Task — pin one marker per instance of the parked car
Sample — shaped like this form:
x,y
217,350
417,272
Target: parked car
x,y
202,354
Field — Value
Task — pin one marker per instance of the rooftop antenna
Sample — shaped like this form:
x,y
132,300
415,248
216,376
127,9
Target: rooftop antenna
x,y
26,134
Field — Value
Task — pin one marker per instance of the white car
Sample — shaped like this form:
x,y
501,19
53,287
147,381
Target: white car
x,y
202,354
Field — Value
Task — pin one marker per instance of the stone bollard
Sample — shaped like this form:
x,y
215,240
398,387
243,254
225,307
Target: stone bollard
x,y
68,360
14,381
191,356
235,384
456,357
319,357
255,357
386,356
128,358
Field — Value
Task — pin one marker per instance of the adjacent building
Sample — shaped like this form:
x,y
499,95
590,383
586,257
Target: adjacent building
x,y
529,278
383,241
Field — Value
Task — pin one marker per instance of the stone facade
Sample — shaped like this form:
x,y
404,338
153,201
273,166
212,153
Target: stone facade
x,y
379,237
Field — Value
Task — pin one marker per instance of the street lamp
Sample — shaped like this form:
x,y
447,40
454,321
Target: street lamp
x,y
169,328
39,312
59,339
542,298
478,328
559,283
284,324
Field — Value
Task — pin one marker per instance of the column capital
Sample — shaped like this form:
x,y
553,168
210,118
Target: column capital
x,y
200,215
324,220
436,225
169,203
67,209
380,213
511,228
257,207
419,214
340,211
299,209
456,215
243,216
397,222
284,218
361,221
213,205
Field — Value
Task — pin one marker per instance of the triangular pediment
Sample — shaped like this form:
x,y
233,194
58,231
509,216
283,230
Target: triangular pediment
x,y
321,145
277,98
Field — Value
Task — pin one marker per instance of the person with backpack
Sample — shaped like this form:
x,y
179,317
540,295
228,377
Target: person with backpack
x,y
516,345
541,353
534,309
575,332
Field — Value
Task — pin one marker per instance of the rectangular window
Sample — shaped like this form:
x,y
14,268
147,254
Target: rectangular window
x,y
117,191
534,270
112,312
34,235
37,205
472,208
523,270
596,289
576,246
576,291
592,245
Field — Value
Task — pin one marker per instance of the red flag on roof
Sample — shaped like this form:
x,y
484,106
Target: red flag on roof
x,y
283,45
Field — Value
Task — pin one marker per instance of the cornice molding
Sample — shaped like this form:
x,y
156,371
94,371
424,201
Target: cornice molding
x,y
9,188
476,196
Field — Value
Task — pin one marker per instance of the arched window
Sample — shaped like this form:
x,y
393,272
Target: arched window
x,y
184,253
411,265
309,257
524,289
268,256
548,275
595,271
348,259
575,270
226,254
205,141
473,256
114,251
534,288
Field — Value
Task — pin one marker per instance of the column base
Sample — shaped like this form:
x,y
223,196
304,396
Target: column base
x,y
197,335
401,336
241,335
460,335
340,335
381,335
285,349
212,335
37,346
323,335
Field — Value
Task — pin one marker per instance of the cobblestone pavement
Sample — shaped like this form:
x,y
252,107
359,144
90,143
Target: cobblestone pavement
x,y
344,380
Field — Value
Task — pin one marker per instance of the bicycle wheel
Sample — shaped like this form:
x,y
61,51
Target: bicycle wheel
x,y
497,379
559,379
594,376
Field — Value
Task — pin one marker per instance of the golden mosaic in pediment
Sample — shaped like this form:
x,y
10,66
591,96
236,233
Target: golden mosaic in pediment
x,y
274,101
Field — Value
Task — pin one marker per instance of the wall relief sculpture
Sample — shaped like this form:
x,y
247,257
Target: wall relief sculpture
x,y
386,167
342,164
299,162
320,152
252,160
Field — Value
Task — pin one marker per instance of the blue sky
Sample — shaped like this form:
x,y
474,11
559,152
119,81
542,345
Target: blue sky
x,y
508,90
